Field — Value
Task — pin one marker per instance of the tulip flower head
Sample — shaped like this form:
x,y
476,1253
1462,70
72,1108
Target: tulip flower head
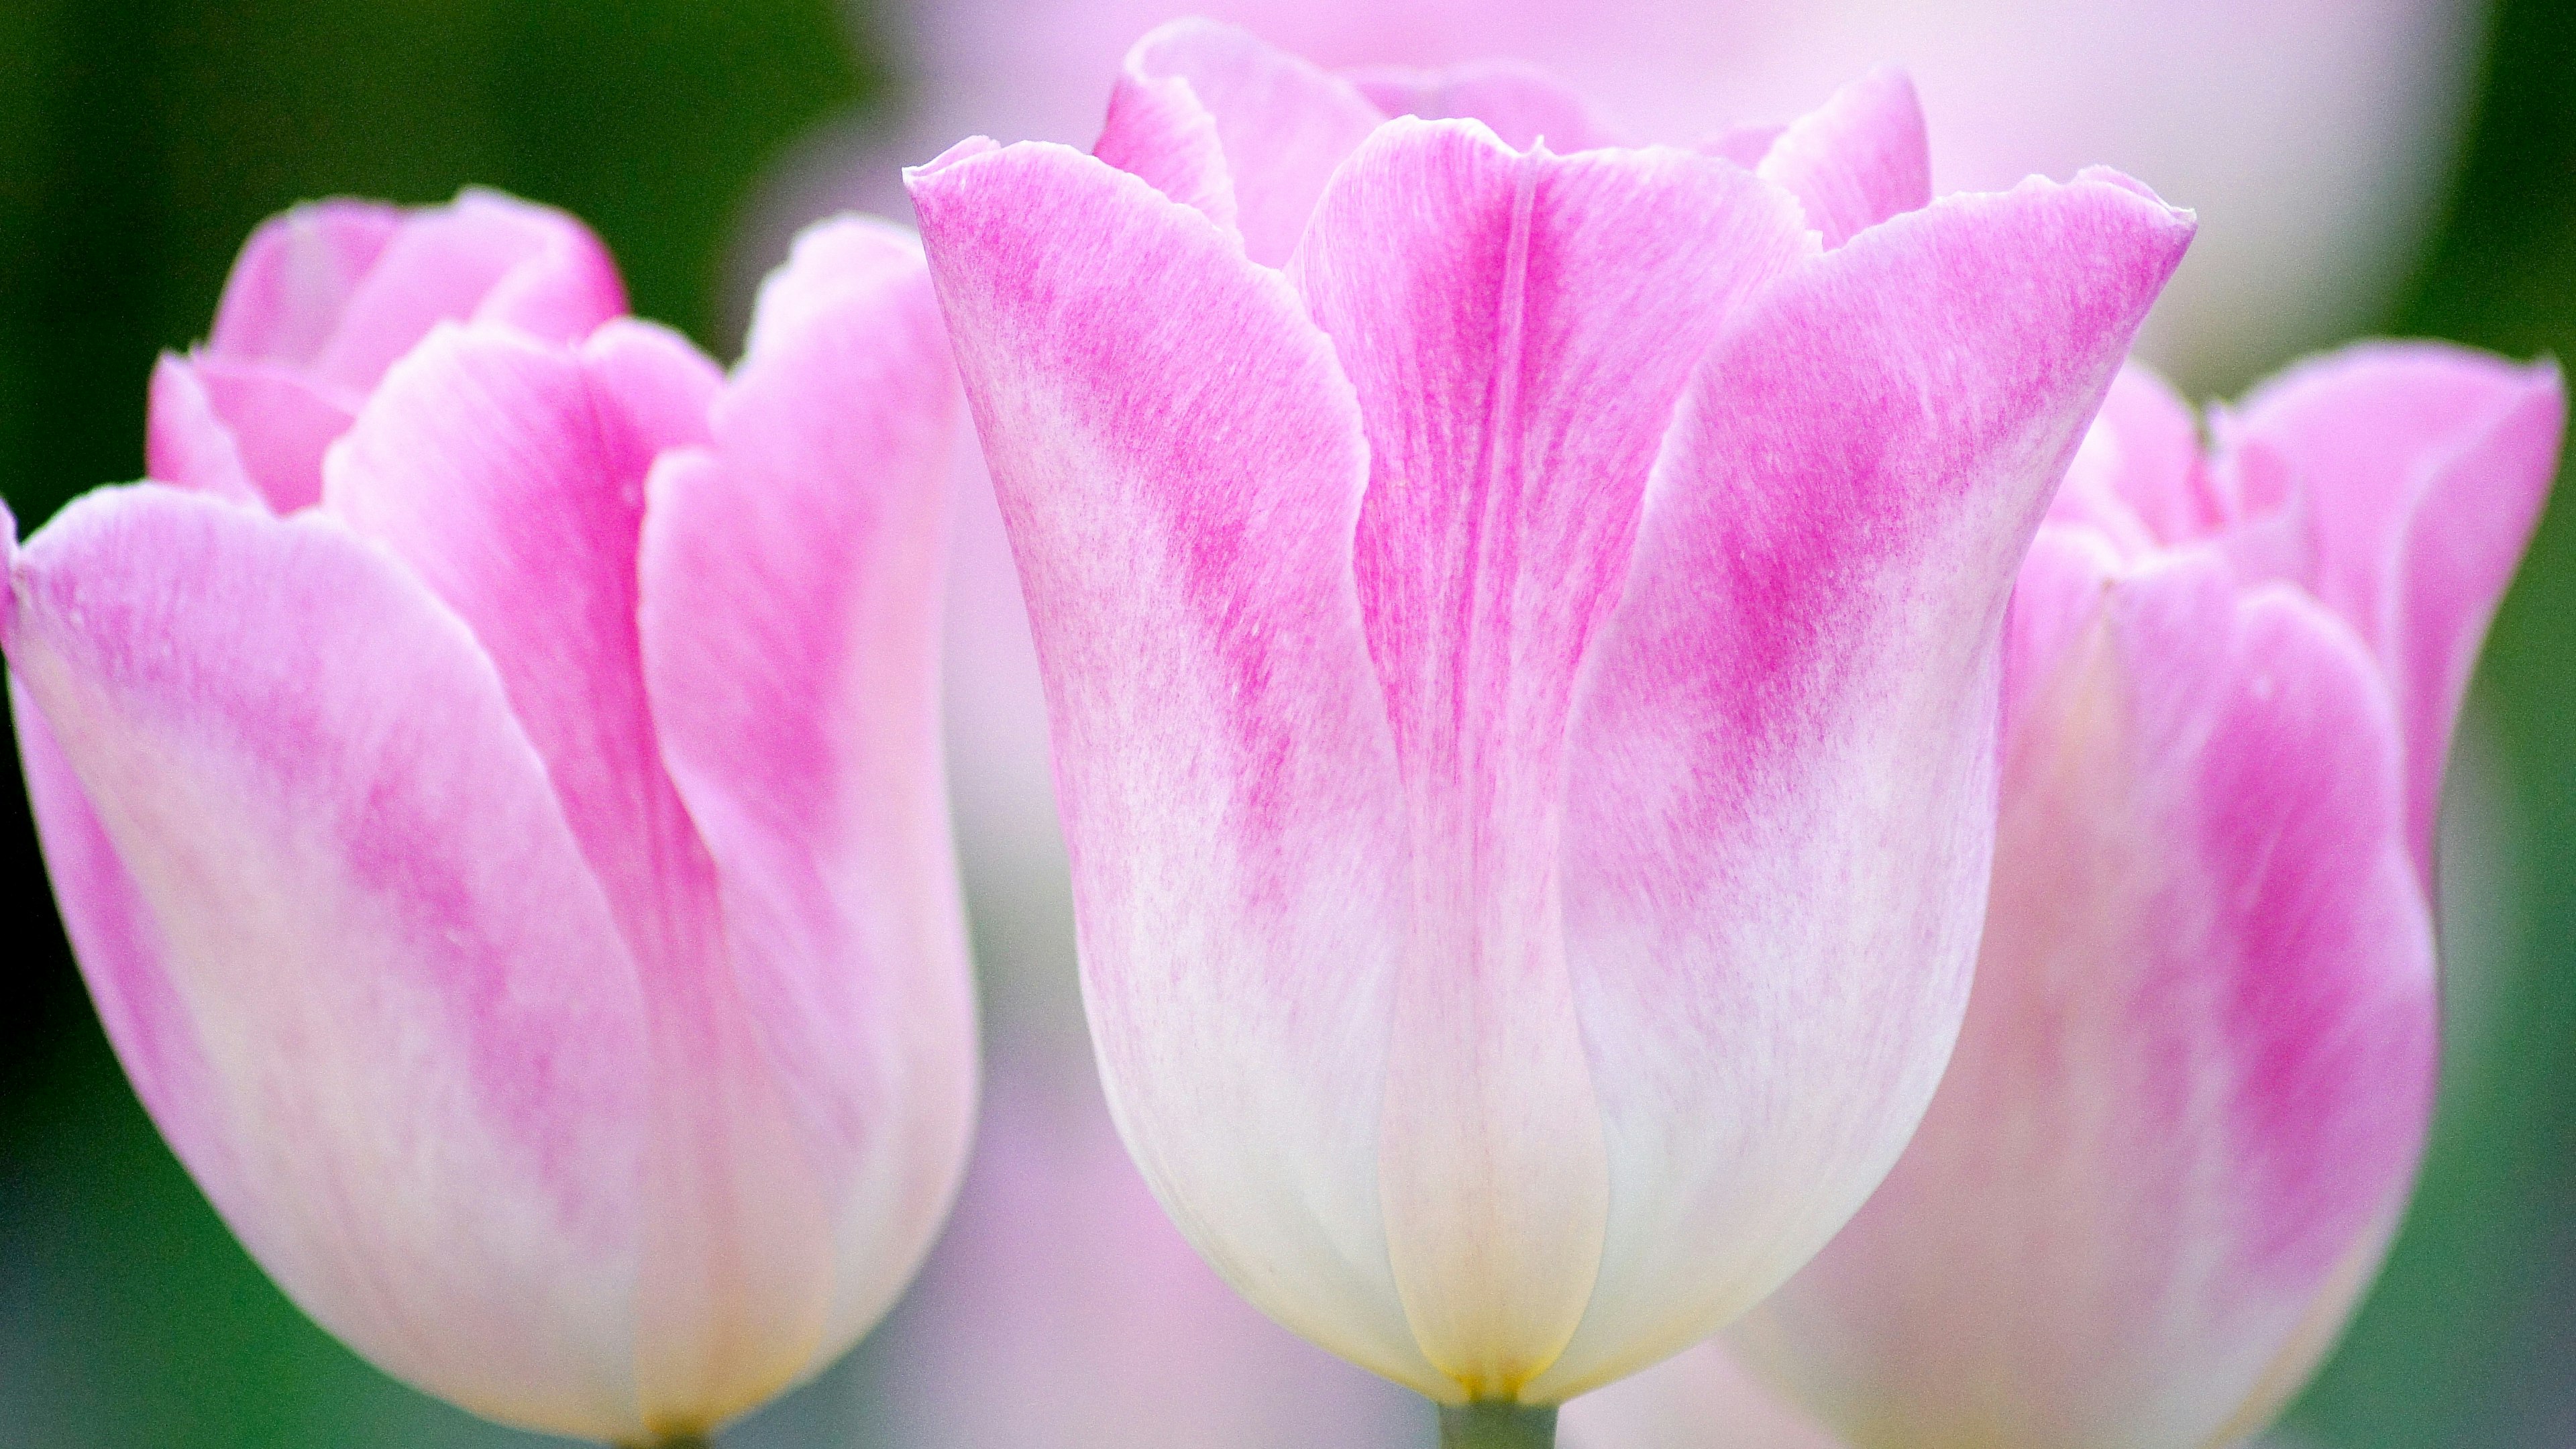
x,y
504,843
2199,1060
1520,623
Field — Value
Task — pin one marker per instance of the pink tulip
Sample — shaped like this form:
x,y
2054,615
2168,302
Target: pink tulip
x,y
2196,1071
517,884
1521,633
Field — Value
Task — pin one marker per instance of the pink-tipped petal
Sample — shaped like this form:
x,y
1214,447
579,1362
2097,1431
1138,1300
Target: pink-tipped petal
x,y
486,258
187,444
510,477
1517,327
1181,465
1778,850
288,290
1521,103
344,916
790,608
2186,1105
1280,126
1859,160
2423,468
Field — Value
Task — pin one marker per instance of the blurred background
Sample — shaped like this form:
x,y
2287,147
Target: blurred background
x,y
2360,166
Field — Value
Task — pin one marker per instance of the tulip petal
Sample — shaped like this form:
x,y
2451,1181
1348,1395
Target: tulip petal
x,y
1858,160
1517,327
187,444
2186,1106
1180,464
1280,125
2425,468
295,276
281,424
510,476
1794,696
1521,104
789,626
413,1092
487,258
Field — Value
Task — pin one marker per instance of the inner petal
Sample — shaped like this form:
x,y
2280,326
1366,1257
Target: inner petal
x,y
1517,327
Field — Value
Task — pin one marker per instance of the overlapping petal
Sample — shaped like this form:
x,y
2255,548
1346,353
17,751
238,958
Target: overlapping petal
x,y
2199,1061
790,574
1777,844
1517,327
706,981
2422,469
1413,736
1367,651
1857,160
326,297
1205,111
373,990
1181,464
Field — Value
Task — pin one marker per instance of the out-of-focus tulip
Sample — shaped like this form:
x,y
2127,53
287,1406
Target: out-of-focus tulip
x,y
2312,139
1698,1399
1061,1308
518,884
1521,634
2197,1067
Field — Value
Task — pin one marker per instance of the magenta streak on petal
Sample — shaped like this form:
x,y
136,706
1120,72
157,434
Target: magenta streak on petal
x,y
2198,1063
1180,465
1517,327
1777,851
408,1017
510,477
790,592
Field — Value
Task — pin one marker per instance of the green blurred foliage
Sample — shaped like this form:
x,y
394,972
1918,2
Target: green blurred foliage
x,y
139,143
2470,1336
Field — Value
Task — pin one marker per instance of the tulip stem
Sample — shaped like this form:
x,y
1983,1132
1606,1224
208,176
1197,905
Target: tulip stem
x,y
685,1441
1494,1424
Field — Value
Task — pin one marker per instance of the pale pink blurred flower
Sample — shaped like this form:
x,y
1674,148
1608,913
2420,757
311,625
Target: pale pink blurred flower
x,y
1524,905
490,782
2199,1059
1062,1310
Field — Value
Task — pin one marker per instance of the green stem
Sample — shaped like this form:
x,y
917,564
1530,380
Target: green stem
x,y
684,1441
1493,1424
